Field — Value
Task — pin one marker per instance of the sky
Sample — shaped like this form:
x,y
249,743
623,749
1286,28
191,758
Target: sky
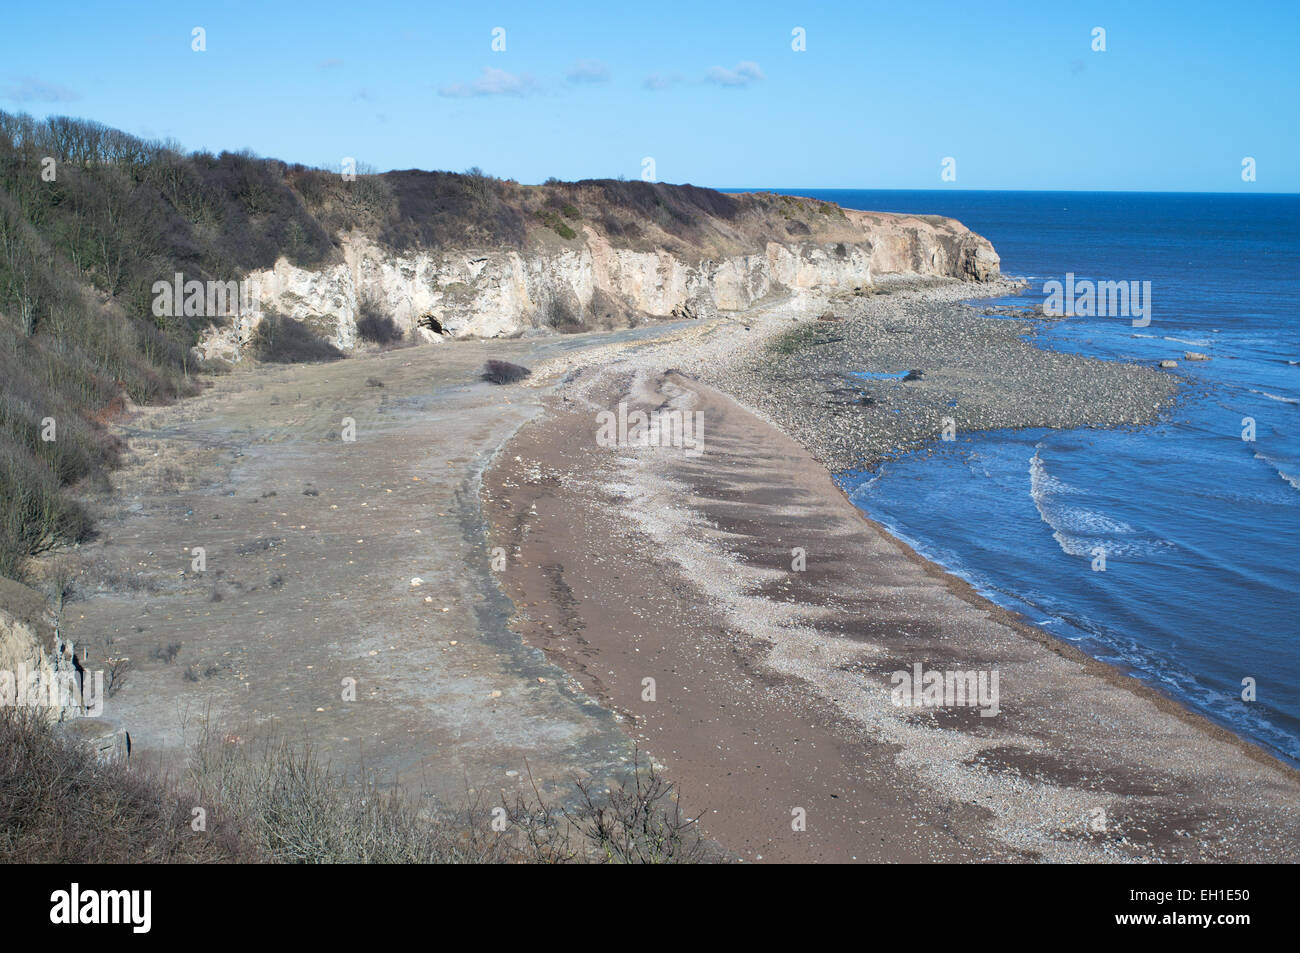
x,y
715,94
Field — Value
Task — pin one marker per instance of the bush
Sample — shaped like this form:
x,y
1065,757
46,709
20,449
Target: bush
x,y
377,328
168,654
37,514
270,802
59,804
282,340
556,223
503,372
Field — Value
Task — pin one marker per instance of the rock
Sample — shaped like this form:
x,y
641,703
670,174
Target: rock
x,y
700,305
598,281
106,740
51,673
1195,356
42,665
1168,363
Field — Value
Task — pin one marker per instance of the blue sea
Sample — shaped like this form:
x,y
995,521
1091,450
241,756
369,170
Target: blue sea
x,y
1200,527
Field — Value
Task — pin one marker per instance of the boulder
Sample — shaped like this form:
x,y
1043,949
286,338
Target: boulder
x,y
104,739
699,306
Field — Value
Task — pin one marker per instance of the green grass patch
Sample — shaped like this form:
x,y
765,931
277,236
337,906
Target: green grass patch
x,y
801,338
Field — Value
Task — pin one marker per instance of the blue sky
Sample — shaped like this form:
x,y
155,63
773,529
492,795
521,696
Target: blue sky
x,y
712,91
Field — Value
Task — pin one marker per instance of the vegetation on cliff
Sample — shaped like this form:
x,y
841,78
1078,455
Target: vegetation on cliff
x,y
92,217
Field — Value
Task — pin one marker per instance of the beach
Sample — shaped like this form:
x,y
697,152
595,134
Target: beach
x,y
500,586
771,685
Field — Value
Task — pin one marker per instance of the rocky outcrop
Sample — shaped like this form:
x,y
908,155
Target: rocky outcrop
x,y
34,665
40,675
592,282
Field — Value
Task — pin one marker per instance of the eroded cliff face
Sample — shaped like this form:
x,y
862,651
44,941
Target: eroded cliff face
x,y
41,677
590,282
32,658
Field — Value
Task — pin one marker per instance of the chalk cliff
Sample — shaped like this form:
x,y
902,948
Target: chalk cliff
x,y
593,271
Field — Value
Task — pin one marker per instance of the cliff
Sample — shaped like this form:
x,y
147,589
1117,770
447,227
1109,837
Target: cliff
x,y
94,222
592,259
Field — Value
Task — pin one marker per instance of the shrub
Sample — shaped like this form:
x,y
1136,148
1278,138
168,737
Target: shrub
x,y
556,223
282,340
37,514
168,654
503,372
59,804
375,326
268,801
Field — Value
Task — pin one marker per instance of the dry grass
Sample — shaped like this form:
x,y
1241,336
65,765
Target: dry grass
x,y
58,804
272,802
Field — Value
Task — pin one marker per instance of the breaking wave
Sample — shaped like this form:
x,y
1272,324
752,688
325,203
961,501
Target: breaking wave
x,y
1291,478
1284,400
1078,530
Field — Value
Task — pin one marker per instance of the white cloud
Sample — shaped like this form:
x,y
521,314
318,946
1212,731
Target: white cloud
x,y
493,82
742,74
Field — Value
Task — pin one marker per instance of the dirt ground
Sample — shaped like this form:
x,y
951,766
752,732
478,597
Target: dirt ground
x,y
311,544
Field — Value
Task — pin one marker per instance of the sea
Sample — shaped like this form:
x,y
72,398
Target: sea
x,y
1197,515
